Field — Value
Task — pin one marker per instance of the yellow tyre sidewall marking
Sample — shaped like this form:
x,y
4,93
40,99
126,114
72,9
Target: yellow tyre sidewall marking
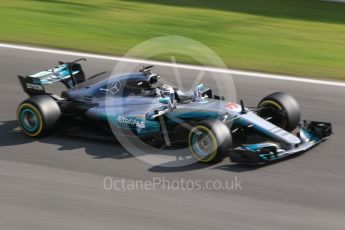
x,y
213,142
270,102
37,112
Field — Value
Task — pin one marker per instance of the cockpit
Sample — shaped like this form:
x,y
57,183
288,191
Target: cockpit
x,y
143,83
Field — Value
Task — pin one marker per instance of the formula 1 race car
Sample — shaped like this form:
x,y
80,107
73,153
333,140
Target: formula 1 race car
x,y
142,106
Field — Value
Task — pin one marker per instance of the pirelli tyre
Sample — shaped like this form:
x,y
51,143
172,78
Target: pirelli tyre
x,y
210,141
38,115
281,109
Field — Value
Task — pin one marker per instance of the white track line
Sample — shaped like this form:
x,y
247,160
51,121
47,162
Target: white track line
x,y
184,66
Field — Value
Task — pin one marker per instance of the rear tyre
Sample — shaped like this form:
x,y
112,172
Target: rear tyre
x,y
38,115
210,141
283,110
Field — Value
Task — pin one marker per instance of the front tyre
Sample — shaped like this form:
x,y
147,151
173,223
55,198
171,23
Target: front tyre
x,y
209,141
282,109
38,115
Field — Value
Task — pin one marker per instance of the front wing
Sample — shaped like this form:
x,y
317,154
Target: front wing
x,y
311,133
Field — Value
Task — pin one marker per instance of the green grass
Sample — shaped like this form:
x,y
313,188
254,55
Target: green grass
x,y
297,37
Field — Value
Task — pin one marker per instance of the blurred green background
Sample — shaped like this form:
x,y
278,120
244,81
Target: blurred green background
x,y
297,37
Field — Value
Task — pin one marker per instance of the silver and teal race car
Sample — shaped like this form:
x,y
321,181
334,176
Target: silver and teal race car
x,y
140,105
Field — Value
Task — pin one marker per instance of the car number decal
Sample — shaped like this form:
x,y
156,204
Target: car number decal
x,y
231,105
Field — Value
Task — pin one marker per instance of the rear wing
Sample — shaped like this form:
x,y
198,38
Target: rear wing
x,y
68,73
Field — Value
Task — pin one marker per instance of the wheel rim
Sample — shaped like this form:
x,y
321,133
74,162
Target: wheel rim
x,y
203,144
29,120
275,111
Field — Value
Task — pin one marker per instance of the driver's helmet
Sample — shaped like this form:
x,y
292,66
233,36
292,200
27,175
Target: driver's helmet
x,y
149,91
166,90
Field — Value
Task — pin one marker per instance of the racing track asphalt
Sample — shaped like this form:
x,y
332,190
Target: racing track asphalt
x,y
57,182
